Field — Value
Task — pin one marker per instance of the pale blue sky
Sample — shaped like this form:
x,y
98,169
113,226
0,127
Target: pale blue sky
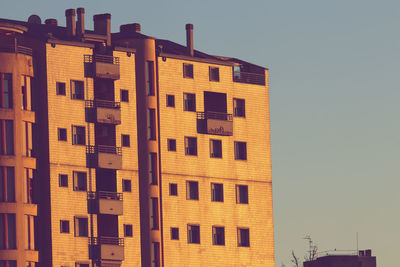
x,y
335,113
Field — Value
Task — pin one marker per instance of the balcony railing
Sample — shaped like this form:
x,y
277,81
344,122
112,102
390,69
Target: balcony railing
x,y
102,59
105,240
214,115
102,104
103,149
248,77
105,195
16,49
214,123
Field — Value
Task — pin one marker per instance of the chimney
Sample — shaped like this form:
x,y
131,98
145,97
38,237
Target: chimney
x,y
80,23
52,22
102,25
189,39
133,27
70,16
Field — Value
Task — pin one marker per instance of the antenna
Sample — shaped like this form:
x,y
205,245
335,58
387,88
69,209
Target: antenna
x,y
357,242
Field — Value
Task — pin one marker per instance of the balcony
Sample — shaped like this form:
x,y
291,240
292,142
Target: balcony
x,y
106,248
103,111
248,77
102,66
106,157
105,203
215,123
11,48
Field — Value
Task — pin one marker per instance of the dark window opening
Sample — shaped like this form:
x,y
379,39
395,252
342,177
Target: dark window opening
x,y
173,189
124,95
215,102
6,95
243,237
215,148
77,90
60,88
189,102
80,181
239,109
193,232
7,184
126,185
170,101
187,70
63,180
78,135
240,151
171,144
155,254
81,226
62,134
150,77
154,213
153,175
64,226
174,233
214,74
126,142
242,194
218,235
191,146
151,124
217,192
128,231
7,137
192,190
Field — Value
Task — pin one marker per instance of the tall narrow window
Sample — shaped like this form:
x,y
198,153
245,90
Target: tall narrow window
x,y
81,226
7,184
239,109
6,137
215,148
217,192
243,237
77,90
154,213
80,181
240,151
27,139
6,100
78,135
7,231
29,235
192,190
24,93
150,77
28,185
151,124
153,168
155,254
242,194
60,88
189,102
218,234
193,232
191,146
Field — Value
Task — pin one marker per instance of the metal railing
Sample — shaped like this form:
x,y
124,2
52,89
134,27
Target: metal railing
x,y
101,58
16,49
103,149
102,104
105,195
214,115
105,240
248,77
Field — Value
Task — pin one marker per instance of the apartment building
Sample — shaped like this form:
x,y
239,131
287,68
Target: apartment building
x,y
121,149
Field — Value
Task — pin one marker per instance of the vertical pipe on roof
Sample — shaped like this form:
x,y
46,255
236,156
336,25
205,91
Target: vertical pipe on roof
x,y
70,19
189,39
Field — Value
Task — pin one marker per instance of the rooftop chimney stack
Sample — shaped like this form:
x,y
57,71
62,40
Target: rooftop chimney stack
x,y
130,28
52,22
70,17
80,23
189,39
102,25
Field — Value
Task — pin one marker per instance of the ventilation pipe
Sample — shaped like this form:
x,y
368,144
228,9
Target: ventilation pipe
x,y
70,17
189,39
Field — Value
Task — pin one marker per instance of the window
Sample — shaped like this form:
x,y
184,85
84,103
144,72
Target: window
x,y
217,192
187,70
189,102
128,232
124,95
153,175
193,232
26,92
154,213
28,186
215,148
63,180
173,189
7,184
239,109
6,137
155,254
78,135
81,226
171,144
64,226
151,124
218,235
6,95
174,233
27,145
80,181
214,74
29,232
7,231
171,101
240,151
4,263
60,88
150,77
126,140
243,237
126,185
242,195
192,190
77,90
62,134
191,146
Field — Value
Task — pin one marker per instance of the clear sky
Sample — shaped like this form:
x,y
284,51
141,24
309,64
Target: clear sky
x,y
335,113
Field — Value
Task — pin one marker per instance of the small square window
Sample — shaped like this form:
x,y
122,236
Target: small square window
x,y
214,74
78,135
193,232
126,140
239,109
77,90
81,226
218,235
174,233
217,192
170,101
171,144
63,180
62,134
173,189
215,148
80,181
240,151
126,185
60,88
191,146
64,226
242,194
189,102
124,95
187,70
128,232
243,237
192,190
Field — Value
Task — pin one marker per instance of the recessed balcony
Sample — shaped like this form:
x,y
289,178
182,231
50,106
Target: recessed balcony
x,y
248,77
107,248
106,157
103,111
215,123
102,202
102,66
